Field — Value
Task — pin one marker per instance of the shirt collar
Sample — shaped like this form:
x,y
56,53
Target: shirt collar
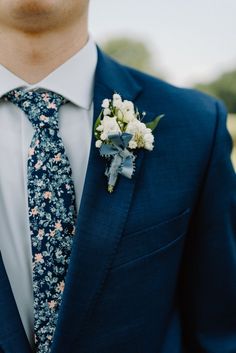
x,y
74,79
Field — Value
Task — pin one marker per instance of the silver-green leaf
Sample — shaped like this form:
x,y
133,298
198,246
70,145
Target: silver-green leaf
x,y
97,122
153,124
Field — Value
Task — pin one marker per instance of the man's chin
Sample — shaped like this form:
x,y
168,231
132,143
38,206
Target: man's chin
x,y
35,8
41,16
30,16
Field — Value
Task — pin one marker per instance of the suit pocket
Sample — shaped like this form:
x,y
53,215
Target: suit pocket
x,y
152,239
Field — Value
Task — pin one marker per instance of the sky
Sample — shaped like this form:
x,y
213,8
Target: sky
x,y
191,40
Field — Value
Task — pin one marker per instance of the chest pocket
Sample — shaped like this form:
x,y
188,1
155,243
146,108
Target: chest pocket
x,y
152,239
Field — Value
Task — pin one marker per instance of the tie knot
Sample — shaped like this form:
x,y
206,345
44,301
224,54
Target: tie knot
x,y
40,106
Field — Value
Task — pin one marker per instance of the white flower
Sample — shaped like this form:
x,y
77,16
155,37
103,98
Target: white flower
x,y
129,116
117,101
141,134
148,137
132,144
116,97
148,146
110,125
117,104
98,143
128,105
148,140
107,111
105,103
99,128
135,126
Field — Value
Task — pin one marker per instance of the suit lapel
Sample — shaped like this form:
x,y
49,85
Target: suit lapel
x,y
100,221
12,333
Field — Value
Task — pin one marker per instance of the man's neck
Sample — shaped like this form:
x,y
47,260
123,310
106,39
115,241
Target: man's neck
x,y
34,56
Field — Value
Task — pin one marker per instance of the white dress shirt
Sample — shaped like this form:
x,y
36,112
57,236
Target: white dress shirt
x,y
75,81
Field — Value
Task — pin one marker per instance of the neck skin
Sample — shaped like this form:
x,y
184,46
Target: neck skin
x,y
39,54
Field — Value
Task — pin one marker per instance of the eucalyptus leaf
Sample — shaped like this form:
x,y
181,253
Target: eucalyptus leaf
x,y
153,124
97,122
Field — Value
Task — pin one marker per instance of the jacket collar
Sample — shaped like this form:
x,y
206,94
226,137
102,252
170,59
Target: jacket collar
x,y
100,221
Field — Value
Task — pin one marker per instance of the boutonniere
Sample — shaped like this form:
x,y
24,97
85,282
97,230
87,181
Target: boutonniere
x,y
119,131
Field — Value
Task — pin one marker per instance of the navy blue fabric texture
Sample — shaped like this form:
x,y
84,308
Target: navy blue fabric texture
x,y
153,265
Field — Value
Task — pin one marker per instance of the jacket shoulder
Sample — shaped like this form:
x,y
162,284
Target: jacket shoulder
x,y
182,105
157,89
188,111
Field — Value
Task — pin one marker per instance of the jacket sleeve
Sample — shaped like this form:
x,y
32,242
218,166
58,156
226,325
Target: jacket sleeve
x,y
208,275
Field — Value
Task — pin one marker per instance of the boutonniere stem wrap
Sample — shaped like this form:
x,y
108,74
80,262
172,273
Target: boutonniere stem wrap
x,y
119,131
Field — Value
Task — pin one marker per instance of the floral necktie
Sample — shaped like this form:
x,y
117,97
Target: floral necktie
x,y
51,206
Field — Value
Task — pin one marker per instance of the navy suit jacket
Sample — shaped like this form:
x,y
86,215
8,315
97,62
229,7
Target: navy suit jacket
x,y
153,265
